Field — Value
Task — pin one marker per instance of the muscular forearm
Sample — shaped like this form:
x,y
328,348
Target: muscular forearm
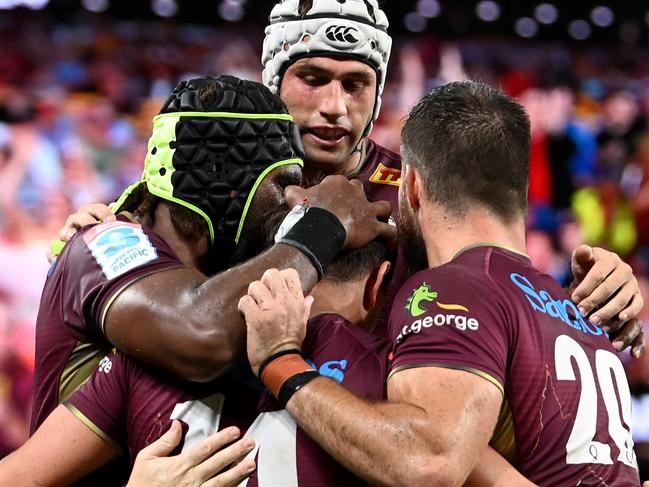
x,y
494,471
190,325
380,442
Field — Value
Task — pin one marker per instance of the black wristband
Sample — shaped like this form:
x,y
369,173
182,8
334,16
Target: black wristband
x,y
265,363
294,384
319,235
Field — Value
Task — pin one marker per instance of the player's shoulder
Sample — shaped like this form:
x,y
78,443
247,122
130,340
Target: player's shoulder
x,y
460,285
381,165
115,247
382,155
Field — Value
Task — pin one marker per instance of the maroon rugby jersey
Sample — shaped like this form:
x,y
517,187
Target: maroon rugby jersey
x,y
567,413
131,405
381,175
97,263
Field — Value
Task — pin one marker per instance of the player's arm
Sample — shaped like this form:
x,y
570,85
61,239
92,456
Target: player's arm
x,y
494,471
420,437
188,324
607,292
62,451
434,428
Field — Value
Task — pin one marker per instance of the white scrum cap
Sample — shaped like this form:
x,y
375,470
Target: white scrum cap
x,y
348,29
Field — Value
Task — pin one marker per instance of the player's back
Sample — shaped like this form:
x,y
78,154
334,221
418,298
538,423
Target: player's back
x,y
349,355
566,387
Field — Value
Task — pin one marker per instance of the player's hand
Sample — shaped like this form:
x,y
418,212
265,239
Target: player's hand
x,y
276,313
609,294
87,214
204,465
363,220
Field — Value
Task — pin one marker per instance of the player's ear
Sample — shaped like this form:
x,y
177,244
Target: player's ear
x,y
412,181
374,286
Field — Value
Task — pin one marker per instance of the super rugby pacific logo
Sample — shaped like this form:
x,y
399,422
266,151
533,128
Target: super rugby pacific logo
x,y
344,35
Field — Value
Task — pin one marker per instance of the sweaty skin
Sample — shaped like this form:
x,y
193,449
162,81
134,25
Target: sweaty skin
x,y
211,340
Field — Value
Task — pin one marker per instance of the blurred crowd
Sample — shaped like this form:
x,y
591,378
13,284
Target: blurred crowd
x,y
77,99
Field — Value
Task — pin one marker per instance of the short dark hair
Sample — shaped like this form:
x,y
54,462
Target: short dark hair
x,y
357,264
190,225
471,144
304,7
347,266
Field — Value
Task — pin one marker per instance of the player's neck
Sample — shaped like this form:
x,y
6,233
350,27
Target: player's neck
x,y
337,298
313,173
447,235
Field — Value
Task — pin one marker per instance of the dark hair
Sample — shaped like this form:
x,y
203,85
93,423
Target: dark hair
x,y
304,7
471,144
348,266
190,225
222,93
357,264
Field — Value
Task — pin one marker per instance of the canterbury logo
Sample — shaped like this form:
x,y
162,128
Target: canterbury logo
x,y
342,33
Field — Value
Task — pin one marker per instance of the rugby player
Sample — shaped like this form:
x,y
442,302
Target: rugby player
x,y
486,350
126,405
126,283
328,62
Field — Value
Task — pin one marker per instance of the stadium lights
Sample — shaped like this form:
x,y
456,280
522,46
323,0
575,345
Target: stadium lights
x,y
526,27
164,8
429,8
546,13
602,16
579,29
95,5
32,4
231,10
488,11
414,22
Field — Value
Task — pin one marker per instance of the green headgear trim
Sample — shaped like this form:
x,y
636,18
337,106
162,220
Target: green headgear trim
x,y
159,167
259,180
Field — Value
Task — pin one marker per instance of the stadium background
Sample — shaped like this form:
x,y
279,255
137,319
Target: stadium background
x,y
81,80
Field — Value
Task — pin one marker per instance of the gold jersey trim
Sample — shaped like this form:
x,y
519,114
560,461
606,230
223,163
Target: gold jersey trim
x,y
92,426
489,244
503,439
83,361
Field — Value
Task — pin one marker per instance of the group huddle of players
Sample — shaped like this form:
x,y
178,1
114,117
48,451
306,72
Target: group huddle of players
x,y
442,357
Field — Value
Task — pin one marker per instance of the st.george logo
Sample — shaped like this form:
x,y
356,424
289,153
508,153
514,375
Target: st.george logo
x,y
424,294
342,33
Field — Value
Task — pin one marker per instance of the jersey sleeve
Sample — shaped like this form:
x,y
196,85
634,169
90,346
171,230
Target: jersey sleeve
x,y
101,403
443,318
102,261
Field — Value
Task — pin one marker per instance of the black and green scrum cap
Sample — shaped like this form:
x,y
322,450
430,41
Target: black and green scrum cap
x,y
213,162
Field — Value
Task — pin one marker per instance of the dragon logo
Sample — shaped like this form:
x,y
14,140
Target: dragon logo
x,y
424,294
342,33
